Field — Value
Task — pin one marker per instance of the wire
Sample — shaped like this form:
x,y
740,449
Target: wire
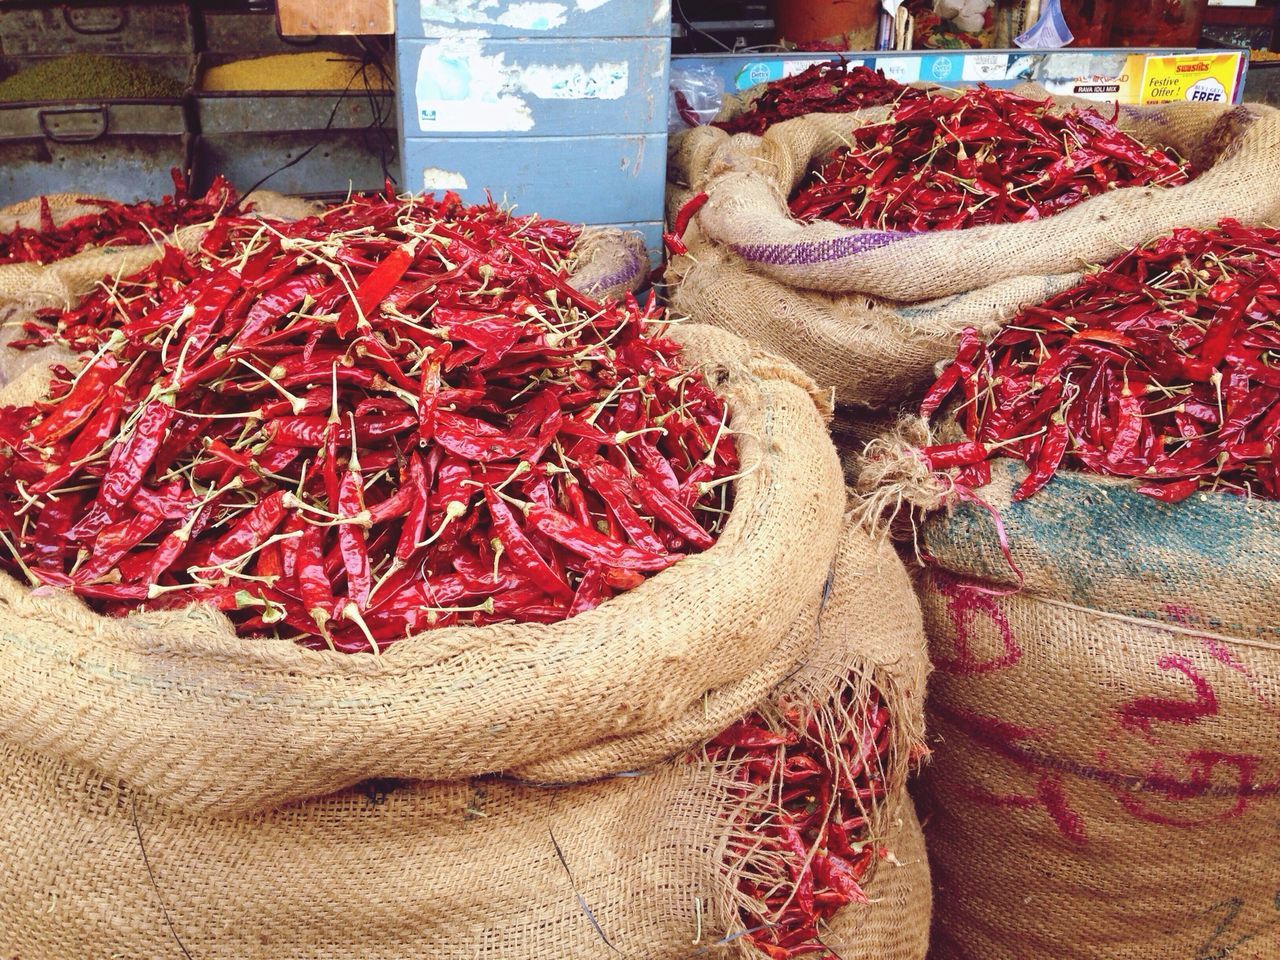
x,y
688,25
369,59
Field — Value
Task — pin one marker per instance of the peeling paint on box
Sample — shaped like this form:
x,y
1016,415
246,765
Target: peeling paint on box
x,y
462,88
601,81
529,15
662,13
433,178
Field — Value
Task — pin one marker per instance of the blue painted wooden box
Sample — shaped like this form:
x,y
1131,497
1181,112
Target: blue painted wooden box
x,y
522,18
559,108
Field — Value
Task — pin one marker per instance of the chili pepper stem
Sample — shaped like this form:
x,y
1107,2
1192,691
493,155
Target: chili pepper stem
x,y
707,486
452,511
521,468
485,607
297,403
352,612
239,560
18,559
392,569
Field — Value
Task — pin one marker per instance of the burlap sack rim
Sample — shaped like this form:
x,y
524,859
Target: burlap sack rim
x,y
187,643
742,164
869,352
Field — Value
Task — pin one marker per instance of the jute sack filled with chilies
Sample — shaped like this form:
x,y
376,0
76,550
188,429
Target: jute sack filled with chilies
x,y
162,780
29,286
607,263
869,312
1106,777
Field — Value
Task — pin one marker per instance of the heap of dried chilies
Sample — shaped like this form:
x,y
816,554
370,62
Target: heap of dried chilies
x,y
833,87
1163,367
115,224
357,427
987,156
821,775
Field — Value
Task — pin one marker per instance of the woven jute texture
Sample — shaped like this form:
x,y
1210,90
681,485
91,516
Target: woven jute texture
x,y
871,352
485,867
1105,782
869,312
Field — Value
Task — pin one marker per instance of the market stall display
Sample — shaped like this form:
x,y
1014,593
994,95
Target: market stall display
x,y
92,98
516,398
304,122
310,70
734,680
984,157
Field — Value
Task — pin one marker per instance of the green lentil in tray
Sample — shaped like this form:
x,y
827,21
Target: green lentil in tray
x,y
88,76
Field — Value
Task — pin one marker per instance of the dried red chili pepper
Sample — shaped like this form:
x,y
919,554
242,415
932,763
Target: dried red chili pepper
x,y
115,224
814,828
1027,162
1146,369
478,373
828,87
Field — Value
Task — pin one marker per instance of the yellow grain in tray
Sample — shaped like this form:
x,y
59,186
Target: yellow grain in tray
x,y
314,70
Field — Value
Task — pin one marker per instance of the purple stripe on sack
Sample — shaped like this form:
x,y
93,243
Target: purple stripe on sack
x,y
1149,114
804,254
623,275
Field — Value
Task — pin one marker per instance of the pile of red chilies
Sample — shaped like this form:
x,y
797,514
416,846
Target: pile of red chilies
x,y
116,224
1163,367
357,427
822,779
987,156
833,87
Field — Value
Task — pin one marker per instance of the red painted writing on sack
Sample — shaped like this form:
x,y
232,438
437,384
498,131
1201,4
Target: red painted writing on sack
x,y
964,605
1009,741
1142,711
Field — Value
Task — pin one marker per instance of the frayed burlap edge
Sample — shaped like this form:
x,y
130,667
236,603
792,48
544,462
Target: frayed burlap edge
x,y
835,667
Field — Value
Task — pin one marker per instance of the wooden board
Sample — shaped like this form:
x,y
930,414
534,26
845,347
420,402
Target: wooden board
x,y
310,18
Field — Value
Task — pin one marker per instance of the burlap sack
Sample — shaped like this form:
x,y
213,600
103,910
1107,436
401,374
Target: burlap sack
x,y
1106,777
872,353
488,867
260,724
870,312
748,179
608,263
34,286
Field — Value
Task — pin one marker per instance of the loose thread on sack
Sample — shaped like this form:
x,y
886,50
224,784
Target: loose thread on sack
x,y
1162,625
146,861
581,900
